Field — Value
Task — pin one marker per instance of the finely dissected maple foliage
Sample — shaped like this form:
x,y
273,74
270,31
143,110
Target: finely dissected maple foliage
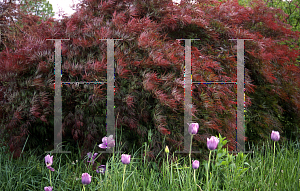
x,y
149,73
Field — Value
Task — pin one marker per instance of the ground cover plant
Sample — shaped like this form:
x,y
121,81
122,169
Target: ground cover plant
x,y
272,167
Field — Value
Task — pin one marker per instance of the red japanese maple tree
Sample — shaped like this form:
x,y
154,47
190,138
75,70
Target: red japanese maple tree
x,y
149,72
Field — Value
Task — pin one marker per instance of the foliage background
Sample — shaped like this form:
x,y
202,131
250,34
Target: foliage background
x,y
149,73
40,8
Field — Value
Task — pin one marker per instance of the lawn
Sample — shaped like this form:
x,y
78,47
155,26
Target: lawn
x,y
236,173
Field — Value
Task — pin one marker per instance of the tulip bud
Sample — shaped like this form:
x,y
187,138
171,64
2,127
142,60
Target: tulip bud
x,y
101,169
86,178
212,143
167,149
193,128
49,188
195,164
125,159
275,136
48,160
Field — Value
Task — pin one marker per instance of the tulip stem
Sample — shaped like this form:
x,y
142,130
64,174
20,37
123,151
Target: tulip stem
x,y
167,162
168,166
274,155
123,176
273,159
191,151
195,176
50,177
113,156
83,188
207,171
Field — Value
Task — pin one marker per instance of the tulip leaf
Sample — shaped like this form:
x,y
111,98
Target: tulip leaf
x,y
232,165
154,165
205,164
224,163
221,153
241,171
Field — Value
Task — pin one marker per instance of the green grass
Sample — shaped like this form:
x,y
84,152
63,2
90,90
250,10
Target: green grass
x,y
30,172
